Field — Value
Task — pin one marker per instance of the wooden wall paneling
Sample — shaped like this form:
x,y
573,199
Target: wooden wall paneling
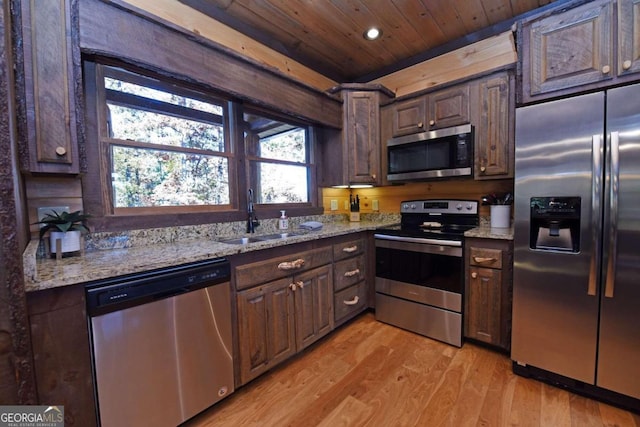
x,y
476,58
51,191
166,50
202,25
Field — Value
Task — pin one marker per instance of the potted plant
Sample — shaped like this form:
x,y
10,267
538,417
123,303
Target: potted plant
x,y
66,227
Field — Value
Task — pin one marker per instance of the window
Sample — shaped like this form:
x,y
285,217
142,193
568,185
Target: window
x,y
166,145
279,159
166,152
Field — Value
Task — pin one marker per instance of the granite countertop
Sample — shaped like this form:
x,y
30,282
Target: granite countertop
x,y
47,273
487,232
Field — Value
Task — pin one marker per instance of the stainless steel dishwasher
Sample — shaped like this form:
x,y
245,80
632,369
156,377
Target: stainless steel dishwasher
x,y
161,342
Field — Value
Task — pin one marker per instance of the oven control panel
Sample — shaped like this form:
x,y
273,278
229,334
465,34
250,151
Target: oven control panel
x,y
440,206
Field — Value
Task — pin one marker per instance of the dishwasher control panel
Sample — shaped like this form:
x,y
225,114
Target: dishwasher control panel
x,y
120,292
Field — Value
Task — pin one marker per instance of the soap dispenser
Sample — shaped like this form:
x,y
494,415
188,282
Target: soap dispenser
x,y
283,221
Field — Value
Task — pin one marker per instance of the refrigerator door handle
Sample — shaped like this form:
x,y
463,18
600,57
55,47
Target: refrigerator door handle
x,y
613,213
597,152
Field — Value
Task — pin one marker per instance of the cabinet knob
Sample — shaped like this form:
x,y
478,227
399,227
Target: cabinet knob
x,y
292,286
432,122
373,175
474,275
606,69
61,151
420,125
626,64
300,284
483,168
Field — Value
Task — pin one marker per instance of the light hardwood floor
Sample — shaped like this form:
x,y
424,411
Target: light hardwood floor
x,y
372,374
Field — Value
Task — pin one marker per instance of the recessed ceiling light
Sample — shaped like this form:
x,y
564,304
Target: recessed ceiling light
x,y
372,33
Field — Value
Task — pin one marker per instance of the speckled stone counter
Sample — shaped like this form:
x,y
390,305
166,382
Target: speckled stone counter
x,y
486,232
118,256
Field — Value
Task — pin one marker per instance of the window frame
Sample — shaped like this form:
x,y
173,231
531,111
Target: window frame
x,y
96,183
252,159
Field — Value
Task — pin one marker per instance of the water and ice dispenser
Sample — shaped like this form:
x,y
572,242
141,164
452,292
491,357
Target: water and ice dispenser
x,y
555,224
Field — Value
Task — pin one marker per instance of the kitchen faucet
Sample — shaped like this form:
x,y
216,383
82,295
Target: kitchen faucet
x,y
252,219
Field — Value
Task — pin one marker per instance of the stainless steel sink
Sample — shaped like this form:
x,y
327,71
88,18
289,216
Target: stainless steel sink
x,y
278,236
263,238
240,240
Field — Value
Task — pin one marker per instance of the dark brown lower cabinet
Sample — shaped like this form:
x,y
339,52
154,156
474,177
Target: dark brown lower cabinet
x,y
278,318
488,291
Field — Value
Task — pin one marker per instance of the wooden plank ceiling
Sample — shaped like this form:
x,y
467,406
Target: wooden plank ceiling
x,y
327,35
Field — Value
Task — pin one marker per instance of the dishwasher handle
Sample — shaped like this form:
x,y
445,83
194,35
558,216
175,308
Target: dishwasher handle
x,y
122,292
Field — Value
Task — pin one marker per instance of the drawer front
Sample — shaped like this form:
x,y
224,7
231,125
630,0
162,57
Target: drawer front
x,y
485,257
253,274
348,272
350,301
348,249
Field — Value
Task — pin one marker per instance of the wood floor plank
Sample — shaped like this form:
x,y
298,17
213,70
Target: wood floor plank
x,y
474,390
375,375
615,417
496,407
555,409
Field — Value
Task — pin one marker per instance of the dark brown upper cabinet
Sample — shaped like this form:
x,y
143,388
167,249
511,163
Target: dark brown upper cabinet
x,y
574,50
52,85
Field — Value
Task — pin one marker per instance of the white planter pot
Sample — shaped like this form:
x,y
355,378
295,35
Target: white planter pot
x,y
70,241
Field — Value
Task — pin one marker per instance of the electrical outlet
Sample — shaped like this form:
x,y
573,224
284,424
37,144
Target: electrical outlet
x,y
374,205
42,212
334,205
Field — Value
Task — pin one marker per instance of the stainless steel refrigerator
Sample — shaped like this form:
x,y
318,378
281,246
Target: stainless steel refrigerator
x,y
576,289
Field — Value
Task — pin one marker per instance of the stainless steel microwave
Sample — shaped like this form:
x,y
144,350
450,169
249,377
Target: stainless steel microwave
x,y
433,154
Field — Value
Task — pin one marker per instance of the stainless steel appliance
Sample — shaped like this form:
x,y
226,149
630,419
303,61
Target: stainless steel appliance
x,y
162,345
420,269
576,290
433,154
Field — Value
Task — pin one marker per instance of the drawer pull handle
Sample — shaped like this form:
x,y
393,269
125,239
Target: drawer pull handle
x,y
352,273
300,284
291,265
483,260
474,275
354,301
350,249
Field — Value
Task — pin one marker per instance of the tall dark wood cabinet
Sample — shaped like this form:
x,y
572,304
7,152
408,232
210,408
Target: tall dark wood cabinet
x,y
352,156
494,126
51,85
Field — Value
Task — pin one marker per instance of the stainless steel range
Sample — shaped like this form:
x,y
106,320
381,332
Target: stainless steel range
x,y
420,269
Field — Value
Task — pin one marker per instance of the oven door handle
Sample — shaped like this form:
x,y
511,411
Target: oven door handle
x,y
423,240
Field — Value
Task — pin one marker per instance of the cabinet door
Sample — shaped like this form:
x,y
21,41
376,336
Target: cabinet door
x,y
628,36
362,137
569,49
52,84
266,330
409,116
313,305
483,306
494,150
449,107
